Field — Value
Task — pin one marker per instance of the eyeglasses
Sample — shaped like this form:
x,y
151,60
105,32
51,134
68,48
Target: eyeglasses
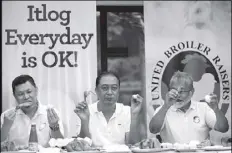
x,y
181,91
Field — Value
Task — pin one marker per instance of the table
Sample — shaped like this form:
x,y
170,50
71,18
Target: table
x,y
198,151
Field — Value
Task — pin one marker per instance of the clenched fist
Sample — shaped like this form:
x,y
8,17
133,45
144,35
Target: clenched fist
x,y
136,104
9,118
212,101
171,98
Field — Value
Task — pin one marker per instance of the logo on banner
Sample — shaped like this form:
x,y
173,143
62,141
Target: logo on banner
x,y
208,74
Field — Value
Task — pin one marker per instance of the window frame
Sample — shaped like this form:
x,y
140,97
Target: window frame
x,y
105,50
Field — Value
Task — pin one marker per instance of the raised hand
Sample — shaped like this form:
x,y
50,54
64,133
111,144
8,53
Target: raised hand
x,y
9,118
52,116
82,110
171,97
136,104
212,101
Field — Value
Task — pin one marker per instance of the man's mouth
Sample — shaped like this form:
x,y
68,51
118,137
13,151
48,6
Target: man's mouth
x,y
109,98
179,101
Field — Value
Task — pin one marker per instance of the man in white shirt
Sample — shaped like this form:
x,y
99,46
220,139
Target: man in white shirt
x,y
16,122
107,121
180,119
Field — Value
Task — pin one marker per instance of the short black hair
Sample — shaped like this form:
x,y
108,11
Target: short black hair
x,y
105,73
21,80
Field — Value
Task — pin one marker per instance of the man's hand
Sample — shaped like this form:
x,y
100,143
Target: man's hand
x,y
171,97
204,143
212,101
82,110
136,104
53,118
9,118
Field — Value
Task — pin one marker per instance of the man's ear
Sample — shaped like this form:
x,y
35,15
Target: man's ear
x,y
36,90
14,94
96,90
193,90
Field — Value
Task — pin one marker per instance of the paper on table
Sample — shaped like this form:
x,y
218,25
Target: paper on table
x,y
216,148
116,148
49,150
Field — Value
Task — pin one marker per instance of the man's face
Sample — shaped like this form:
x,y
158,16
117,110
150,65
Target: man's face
x,y
185,93
108,90
26,93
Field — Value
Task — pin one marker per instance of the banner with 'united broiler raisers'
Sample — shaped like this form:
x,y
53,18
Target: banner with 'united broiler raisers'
x,y
192,37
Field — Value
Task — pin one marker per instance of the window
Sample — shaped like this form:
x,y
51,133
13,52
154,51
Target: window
x,y
121,50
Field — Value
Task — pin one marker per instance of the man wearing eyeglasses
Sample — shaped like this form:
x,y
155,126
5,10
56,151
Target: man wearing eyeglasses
x,y
181,119
108,122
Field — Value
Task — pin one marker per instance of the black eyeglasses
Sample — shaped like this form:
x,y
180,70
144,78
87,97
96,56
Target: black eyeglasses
x,y
181,91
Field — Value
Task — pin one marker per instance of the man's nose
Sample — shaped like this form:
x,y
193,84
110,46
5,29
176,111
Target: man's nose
x,y
26,96
110,91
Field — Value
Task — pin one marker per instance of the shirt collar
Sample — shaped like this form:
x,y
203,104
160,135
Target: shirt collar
x,y
94,107
117,110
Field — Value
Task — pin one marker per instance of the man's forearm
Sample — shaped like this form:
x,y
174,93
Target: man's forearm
x,y
158,120
221,121
56,134
85,129
135,129
4,132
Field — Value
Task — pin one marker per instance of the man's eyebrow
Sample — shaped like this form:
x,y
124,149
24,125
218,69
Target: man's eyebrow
x,y
104,84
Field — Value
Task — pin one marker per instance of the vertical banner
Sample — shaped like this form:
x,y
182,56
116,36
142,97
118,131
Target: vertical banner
x,y
193,37
55,43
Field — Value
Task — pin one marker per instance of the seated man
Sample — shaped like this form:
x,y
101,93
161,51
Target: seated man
x,y
107,121
16,122
180,119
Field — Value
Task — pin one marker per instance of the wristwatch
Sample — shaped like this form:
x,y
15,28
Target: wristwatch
x,y
55,127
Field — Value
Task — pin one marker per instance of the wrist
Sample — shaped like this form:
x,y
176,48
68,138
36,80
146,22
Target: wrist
x,y
166,106
85,122
54,127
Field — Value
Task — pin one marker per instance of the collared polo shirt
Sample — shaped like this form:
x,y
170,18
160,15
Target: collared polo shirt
x,y
194,124
114,131
20,129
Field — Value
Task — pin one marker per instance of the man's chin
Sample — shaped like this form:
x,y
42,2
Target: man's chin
x,y
109,102
179,104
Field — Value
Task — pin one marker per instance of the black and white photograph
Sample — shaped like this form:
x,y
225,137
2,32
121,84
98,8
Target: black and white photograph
x,y
116,76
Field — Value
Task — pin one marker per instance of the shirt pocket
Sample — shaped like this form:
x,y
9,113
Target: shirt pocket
x,y
120,127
